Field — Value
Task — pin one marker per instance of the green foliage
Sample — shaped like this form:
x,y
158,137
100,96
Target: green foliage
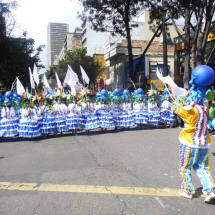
x,y
17,54
75,59
115,17
211,112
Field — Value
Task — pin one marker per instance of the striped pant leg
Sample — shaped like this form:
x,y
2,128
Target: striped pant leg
x,y
202,169
188,157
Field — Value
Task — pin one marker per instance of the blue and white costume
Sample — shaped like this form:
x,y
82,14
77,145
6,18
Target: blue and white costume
x,y
140,113
28,125
8,123
47,124
153,113
38,116
60,111
166,114
104,116
73,120
89,117
18,111
117,115
127,114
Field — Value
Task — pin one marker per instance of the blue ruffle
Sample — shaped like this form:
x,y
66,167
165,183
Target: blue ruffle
x,y
29,129
47,126
90,121
154,118
73,122
9,128
167,116
61,124
105,120
141,117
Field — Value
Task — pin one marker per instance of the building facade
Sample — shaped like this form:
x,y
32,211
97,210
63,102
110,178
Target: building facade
x,y
71,42
180,55
116,56
56,34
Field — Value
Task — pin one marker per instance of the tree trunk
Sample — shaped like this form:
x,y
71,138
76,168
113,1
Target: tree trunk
x,y
130,53
186,77
200,57
210,8
196,33
146,49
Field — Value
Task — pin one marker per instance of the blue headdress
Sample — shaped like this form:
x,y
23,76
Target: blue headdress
x,y
126,94
201,77
8,96
116,94
138,93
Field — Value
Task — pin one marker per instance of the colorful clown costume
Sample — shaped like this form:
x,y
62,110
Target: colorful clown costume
x,y
194,148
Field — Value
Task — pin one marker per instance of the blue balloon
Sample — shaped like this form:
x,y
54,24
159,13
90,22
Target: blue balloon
x,y
116,92
140,91
126,92
104,92
202,76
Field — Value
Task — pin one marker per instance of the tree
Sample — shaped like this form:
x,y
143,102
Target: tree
x,y
17,54
114,17
75,59
197,15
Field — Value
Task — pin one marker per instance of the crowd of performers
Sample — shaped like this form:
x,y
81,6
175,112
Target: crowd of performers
x,y
43,114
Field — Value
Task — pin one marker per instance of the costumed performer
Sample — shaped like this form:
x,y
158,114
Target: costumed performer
x,y
89,118
103,108
127,114
60,111
194,138
140,108
47,124
28,125
74,116
167,116
116,109
8,123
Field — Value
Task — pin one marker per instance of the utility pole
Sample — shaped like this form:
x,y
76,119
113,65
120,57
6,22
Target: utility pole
x,y
165,62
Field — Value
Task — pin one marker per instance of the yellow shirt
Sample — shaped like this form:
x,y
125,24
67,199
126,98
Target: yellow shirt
x,y
195,134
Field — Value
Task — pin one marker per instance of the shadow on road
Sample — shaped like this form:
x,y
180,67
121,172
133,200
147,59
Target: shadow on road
x,y
1,157
213,153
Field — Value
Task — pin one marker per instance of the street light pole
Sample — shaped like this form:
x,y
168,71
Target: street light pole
x,y
164,42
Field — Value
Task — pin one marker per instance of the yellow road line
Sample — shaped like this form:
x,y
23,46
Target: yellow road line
x,y
92,189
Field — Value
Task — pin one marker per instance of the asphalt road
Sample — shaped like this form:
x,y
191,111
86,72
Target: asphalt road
x,y
134,158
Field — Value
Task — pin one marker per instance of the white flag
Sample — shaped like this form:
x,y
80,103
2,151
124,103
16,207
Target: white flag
x,y
31,79
84,76
168,80
177,90
35,75
74,76
67,77
58,81
46,84
19,87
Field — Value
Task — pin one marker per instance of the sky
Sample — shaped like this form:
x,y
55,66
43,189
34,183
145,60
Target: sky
x,y
33,16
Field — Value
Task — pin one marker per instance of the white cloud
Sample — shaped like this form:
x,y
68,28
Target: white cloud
x,y
34,16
